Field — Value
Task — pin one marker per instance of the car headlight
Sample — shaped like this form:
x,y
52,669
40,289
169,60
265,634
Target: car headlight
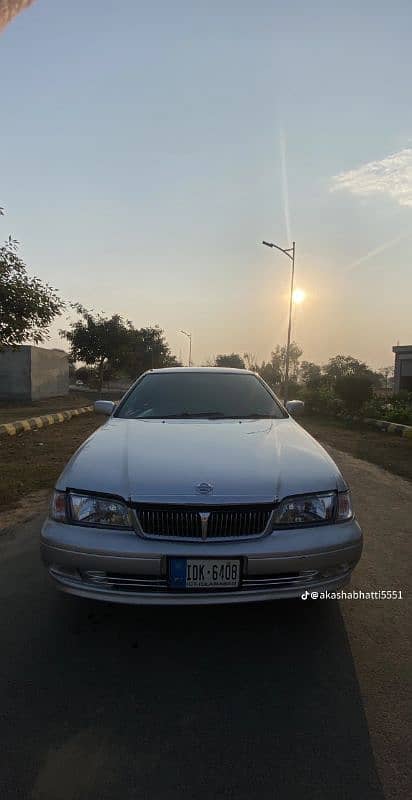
x,y
88,509
314,509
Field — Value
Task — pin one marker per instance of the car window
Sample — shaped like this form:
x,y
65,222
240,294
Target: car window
x,y
209,395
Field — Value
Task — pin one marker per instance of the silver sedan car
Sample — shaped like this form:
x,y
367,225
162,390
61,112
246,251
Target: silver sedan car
x,y
200,488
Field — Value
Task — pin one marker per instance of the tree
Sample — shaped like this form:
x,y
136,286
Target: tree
x,y
251,362
147,348
295,353
310,374
84,374
27,306
233,360
9,8
354,390
273,371
97,340
341,366
386,374
345,366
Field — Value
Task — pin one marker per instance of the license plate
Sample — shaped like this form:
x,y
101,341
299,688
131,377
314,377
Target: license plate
x,y
206,573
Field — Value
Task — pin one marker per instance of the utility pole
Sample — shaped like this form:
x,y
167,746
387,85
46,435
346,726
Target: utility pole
x,y
290,253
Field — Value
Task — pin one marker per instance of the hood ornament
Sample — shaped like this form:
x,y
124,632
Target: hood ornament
x,y
204,488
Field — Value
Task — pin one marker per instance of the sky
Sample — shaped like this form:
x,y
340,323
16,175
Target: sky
x,y
147,149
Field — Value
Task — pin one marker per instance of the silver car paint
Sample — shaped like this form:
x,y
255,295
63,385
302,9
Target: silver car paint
x,y
246,462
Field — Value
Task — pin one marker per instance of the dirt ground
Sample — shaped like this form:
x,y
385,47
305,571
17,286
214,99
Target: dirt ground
x,y
32,461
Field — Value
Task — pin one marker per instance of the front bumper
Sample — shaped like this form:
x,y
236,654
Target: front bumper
x,y
122,567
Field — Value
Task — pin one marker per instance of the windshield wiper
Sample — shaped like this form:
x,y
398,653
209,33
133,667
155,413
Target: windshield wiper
x,y
196,415
215,415
257,416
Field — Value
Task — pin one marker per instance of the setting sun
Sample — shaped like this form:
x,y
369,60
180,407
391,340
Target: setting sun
x,y
298,296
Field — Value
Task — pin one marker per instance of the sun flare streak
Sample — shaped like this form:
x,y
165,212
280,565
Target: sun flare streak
x,y
285,185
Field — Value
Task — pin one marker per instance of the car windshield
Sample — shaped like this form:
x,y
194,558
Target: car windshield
x,y
191,395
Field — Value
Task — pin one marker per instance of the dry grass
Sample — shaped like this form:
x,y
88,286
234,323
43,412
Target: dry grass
x,y
389,451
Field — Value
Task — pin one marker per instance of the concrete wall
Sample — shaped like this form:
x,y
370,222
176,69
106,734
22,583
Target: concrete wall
x,y
33,373
15,374
49,373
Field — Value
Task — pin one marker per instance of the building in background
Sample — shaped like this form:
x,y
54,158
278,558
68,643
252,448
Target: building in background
x,y
403,368
32,373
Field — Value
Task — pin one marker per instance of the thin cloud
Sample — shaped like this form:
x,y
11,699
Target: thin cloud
x,y
391,176
377,250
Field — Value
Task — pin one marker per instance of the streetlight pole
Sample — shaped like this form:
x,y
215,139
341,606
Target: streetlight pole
x,y
189,336
290,253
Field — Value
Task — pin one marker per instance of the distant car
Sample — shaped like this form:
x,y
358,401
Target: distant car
x,y
79,383
200,488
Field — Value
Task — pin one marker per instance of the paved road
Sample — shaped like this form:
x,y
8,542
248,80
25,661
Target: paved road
x,y
286,700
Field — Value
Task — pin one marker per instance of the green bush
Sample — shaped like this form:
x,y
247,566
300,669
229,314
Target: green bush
x,y
397,409
322,401
354,390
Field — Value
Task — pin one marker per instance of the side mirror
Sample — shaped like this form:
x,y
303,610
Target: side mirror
x,y
295,407
104,407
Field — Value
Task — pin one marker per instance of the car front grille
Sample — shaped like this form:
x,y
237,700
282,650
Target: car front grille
x,y
220,523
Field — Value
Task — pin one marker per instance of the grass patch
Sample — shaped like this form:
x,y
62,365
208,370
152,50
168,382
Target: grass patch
x,y
390,451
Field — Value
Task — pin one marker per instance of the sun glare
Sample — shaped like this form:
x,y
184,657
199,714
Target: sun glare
x,y
298,296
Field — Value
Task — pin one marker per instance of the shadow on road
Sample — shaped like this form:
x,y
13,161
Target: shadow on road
x,y
230,702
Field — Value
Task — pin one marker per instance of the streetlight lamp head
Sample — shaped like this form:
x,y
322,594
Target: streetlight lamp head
x,y
189,336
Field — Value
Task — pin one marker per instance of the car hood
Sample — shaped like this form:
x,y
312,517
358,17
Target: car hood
x,y
165,461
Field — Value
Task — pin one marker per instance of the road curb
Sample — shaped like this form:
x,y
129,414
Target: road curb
x,y
34,423
390,427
